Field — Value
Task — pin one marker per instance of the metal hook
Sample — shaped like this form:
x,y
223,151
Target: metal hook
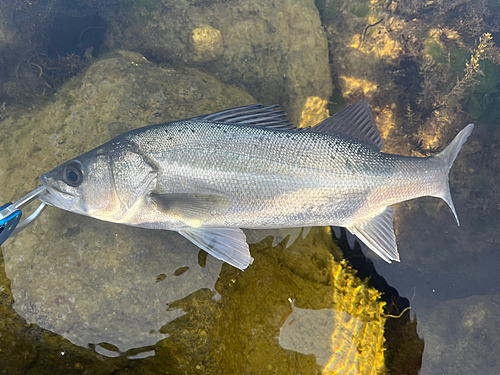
x,y
10,214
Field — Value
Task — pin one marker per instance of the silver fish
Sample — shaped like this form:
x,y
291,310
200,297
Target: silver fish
x,y
247,167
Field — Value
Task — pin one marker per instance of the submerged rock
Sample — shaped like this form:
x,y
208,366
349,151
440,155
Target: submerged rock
x,y
461,337
277,50
207,44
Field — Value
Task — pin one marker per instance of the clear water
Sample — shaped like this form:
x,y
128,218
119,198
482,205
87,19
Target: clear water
x,y
82,296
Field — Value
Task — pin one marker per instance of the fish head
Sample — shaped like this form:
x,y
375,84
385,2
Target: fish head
x,y
107,183
84,185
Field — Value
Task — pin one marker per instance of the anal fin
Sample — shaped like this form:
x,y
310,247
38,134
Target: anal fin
x,y
226,244
378,234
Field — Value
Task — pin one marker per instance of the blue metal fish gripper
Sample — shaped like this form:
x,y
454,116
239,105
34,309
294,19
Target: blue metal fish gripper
x,y
11,213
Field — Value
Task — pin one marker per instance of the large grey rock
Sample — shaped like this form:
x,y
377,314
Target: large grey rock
x,y
277,50
87,280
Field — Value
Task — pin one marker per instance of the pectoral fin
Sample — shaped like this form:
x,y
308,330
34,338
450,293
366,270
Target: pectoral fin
x,y
193,209
226,244
378,235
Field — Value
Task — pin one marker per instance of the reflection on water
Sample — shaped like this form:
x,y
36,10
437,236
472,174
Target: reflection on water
x,y
345,339
316,331
120,296
76,288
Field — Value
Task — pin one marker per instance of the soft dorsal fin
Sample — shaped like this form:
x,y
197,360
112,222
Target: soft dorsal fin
x,y
257,114
355,121
378,234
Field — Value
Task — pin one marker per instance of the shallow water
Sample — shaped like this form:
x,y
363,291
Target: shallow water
x,y
81,296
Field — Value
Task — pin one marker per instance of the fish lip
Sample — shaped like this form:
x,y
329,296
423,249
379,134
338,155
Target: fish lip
x,y
53,196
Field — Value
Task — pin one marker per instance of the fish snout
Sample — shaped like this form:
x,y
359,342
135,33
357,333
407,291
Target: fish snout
x,y
56,196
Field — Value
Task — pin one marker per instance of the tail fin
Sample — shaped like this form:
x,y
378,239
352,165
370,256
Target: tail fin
x,y
448,156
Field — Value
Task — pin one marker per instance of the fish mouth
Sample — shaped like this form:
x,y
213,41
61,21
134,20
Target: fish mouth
x,y
54,196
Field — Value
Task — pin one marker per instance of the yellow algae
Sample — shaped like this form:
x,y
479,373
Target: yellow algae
x,y
431,136
485,41
430,141
433,33
207,43
451,34
313,112
355,41
445,33
79,366
358,340
385,120
386,47
353,85
381,43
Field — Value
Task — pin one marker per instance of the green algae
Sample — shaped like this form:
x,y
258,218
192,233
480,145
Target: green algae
x,y
327,12
360,10
483,101
436,52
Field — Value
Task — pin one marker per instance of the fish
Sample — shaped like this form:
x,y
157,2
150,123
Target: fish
x,y
209,176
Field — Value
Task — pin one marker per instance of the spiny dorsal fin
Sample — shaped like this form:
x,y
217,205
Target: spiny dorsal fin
x,y
355,121
257,114
378,235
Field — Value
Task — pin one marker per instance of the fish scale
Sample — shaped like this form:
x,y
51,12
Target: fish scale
x,y
316,169
247,167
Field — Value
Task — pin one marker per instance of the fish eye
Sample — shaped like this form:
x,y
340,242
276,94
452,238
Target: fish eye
x,y
73,173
